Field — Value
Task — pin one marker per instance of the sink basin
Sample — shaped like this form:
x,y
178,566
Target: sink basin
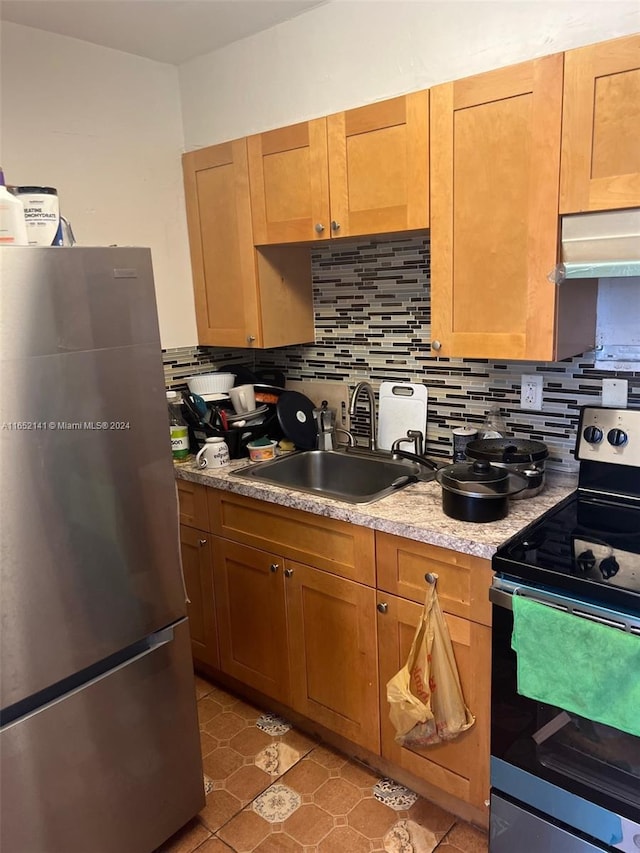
x,y
332,474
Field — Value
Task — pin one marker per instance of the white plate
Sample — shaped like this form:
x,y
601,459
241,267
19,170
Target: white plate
x,y
248,416
214,398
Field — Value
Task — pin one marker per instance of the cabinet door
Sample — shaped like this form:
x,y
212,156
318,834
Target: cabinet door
x,y
332,649
223,259
251,615
461,767
192,500
290,183
601,127
379,167
495,164
198,577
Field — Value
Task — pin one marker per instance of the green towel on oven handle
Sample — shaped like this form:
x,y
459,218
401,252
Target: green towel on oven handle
x,y
584,667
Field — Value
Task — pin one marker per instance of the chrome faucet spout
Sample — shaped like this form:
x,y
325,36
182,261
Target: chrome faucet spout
x,y
368,389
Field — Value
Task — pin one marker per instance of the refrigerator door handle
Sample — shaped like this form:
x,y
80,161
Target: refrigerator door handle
x,y
140,650
160,638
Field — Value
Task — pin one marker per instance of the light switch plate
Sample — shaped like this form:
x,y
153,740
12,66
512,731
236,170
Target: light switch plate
x,y
615,393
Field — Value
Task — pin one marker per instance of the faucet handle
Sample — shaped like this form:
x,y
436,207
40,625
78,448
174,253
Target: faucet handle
x,y
418,439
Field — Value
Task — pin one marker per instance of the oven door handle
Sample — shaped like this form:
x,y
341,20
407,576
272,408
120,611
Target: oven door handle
x,y
501,598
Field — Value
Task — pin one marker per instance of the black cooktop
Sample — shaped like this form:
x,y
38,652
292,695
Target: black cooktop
x,y
588,545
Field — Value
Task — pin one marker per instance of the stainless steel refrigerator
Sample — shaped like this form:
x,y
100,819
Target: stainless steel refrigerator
x,y
99,745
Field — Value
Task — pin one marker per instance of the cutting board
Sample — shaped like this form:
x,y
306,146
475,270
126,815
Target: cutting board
x,y
402,406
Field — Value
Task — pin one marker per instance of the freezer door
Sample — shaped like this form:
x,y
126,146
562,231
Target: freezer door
x,y
114,767
90,547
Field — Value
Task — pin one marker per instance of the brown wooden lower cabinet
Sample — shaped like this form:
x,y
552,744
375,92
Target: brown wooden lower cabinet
x,y
195,546
461,767
252,620
332,648
310,638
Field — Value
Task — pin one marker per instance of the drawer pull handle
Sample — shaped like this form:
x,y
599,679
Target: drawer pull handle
x,y
382,607
430,578
202,542
274,567
288,573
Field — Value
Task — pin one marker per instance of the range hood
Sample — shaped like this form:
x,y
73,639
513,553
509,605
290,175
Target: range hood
x,y
600,245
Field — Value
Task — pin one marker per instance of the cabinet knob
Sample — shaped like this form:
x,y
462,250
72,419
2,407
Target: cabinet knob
x,y
250,339
288,573
319,228
335,226
382,607
202,542
274,567
436,345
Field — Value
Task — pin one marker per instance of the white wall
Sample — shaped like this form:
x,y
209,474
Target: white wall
x,y
104,128
354,52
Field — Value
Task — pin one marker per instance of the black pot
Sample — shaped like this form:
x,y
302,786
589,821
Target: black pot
x,y
477,492
517,455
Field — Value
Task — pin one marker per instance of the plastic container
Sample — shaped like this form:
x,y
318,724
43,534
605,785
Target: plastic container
x,y
42,215
13,228
461,437
262,452
178,428
494,425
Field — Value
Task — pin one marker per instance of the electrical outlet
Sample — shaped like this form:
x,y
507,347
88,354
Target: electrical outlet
x,y
531,391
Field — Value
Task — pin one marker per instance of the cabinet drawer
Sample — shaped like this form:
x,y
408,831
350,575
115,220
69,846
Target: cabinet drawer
x,y
336,546
463,580
192,500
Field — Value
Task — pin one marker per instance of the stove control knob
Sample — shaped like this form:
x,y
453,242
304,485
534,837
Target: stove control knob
x,y
586,561
609,567
617,437
592,434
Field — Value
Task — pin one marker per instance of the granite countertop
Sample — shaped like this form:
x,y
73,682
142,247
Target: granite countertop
x,y
414,512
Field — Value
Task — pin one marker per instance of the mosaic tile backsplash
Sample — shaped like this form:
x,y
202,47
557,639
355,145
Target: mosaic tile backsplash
x,y
372,319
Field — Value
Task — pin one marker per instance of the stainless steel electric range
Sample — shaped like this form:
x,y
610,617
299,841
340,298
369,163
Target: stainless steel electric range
x,y
562,781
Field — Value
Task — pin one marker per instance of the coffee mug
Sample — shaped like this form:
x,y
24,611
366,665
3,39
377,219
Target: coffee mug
x,y
214,453
243,398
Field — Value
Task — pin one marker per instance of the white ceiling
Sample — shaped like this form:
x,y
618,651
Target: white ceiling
x,y
172,31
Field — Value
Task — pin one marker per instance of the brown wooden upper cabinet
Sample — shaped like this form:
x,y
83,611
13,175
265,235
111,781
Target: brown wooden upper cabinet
x,y
244,297
360,172
495,167
601,127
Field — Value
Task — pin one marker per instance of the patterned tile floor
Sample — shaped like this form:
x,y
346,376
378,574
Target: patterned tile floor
x,y
271,789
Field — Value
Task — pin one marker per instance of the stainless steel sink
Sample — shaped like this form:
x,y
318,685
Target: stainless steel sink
x,y
344,476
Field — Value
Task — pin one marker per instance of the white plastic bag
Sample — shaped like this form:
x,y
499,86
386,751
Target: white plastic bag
x,y
425,696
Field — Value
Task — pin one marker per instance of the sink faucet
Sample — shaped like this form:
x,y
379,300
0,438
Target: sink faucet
x,y
367,388
414,436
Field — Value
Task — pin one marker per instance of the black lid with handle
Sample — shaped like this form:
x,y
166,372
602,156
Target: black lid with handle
x,y
479,479
509,451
